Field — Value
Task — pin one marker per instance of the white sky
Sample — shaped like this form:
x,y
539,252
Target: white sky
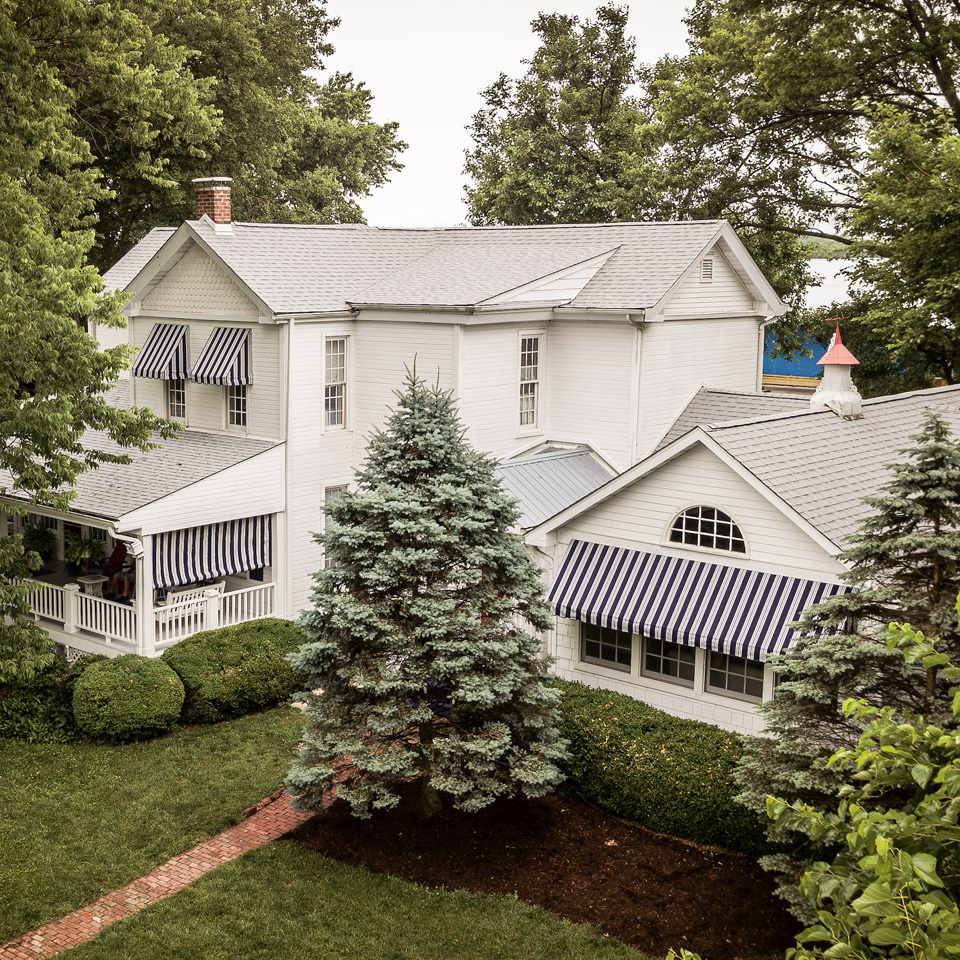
x,y
426,61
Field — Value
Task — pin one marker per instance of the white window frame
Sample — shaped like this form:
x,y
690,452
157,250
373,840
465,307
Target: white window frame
x,y
733,694
176,408
536,425
598,661
330,493
236,402
650,674
736,532
340,385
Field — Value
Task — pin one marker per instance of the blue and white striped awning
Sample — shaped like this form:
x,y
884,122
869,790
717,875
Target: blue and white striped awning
x,y
164,355
729,609
225,360
206,553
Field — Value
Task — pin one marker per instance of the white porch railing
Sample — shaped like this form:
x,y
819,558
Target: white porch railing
x,y
105,618
253,603
113,622
181,619
46,600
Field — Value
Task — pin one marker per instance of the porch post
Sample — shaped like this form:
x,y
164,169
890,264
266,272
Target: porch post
x,y
71,607
211,613
146,628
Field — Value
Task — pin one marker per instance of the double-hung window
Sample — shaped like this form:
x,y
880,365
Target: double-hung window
x,y
735,676
665,660
605,646
176,391
529,381
237,406
335,382
329,495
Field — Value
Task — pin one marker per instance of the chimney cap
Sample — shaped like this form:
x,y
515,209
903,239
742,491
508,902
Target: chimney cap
x,y
212,180
838,354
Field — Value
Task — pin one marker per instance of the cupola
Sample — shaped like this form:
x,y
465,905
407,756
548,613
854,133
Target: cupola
x,y
837,391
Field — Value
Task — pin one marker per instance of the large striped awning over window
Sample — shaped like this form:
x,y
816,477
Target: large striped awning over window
x,y
215,550
225,360
164,355
697,604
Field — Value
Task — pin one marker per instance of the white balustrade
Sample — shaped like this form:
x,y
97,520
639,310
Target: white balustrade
x,y
252,603
108,619
46,600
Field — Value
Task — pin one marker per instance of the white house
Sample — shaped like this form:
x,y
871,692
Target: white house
x,y
570,350
676,580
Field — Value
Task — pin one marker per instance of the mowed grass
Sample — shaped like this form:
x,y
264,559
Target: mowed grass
x,y
78,820
283,901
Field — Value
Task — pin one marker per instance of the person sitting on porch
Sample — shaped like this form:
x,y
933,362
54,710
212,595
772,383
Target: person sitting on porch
x,y
114,563
128,575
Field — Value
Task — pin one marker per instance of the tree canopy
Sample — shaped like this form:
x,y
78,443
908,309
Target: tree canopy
x,y
166,90
814,119
423,660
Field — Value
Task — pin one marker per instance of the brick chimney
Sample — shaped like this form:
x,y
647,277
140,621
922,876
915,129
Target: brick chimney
x,y
213,198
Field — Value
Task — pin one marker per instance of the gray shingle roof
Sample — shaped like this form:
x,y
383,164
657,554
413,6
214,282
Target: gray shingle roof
x,y
114,489
127,267
710,406
823,466
318,269
547,482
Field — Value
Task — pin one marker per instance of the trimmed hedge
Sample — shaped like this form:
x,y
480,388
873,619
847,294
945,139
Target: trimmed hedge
x,y
127,698
671,775
235,670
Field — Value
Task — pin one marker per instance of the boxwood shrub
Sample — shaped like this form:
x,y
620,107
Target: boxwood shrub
x,y
671,775
127,698
235,670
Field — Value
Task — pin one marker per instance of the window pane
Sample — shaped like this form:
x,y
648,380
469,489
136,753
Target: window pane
x,y
707,527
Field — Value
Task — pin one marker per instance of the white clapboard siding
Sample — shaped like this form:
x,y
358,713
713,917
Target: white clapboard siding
x,y
591,394
198,284
681,356
383,350
251,488
206,403
639,517
490,386
723,293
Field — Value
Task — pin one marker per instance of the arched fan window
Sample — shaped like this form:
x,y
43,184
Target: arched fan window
x,y
707,527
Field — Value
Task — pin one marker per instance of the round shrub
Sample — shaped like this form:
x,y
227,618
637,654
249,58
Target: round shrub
x,y
127,698
235,670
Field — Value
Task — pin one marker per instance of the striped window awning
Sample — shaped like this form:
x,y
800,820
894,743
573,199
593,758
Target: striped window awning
x,y
164,355
225,360
212,551
697,604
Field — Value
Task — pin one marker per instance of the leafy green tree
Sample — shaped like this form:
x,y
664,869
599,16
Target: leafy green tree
x,y
421,664
52,375
905,567
548,147
892,889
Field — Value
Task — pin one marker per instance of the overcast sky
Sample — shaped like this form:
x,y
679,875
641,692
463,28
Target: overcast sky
x,y
426,61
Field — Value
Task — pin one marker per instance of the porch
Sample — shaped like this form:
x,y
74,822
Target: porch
x,y
103,625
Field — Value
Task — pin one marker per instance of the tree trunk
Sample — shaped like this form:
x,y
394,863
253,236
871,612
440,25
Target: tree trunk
x,y
430,804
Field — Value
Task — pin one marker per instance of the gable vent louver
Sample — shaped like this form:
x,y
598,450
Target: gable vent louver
x,y
706,270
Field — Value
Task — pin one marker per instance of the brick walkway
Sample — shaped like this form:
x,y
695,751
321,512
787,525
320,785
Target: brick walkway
x,y
272,821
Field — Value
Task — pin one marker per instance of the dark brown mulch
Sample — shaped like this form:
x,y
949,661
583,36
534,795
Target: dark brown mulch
x,y
571,857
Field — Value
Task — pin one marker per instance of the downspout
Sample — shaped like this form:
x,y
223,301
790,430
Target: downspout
x,y
762,350
285,572
637,320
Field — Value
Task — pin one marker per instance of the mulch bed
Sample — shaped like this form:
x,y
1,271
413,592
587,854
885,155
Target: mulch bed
x,y
578,861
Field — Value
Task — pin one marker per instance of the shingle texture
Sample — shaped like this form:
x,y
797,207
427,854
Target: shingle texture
x,y
320,269
550,481
114,489
710,406
126,268
823,466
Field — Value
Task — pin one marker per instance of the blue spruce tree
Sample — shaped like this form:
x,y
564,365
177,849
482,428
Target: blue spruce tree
x,y
423,662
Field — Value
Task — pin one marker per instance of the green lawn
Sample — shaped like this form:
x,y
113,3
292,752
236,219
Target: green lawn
x,y
78,820
284,901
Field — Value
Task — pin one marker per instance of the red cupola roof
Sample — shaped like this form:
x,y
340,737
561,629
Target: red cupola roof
x,y
838,354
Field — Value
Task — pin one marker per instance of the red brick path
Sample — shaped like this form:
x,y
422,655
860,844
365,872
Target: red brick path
x,y
272,821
